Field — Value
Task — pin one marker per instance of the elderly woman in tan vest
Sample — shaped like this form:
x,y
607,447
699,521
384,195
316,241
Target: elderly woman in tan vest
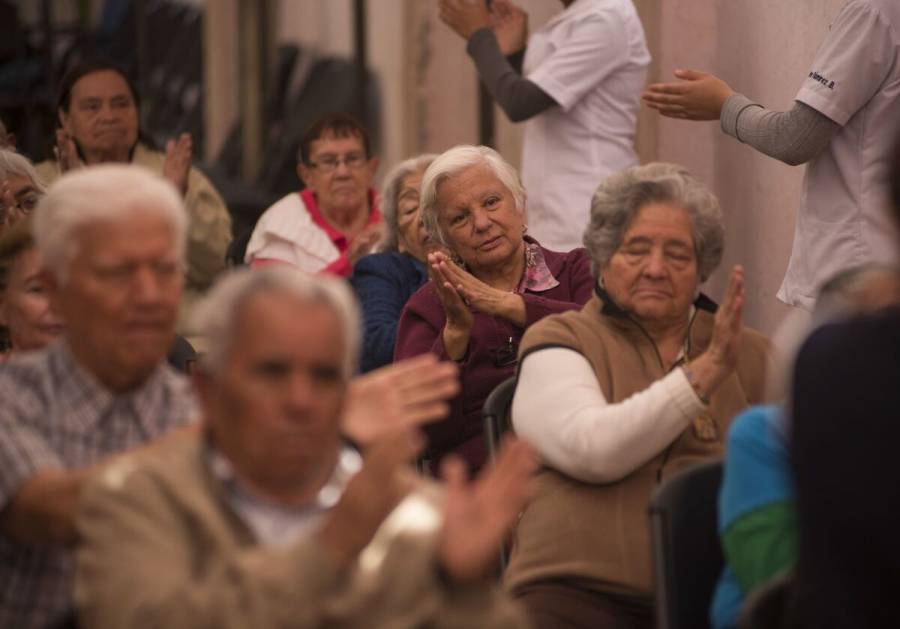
x,y
642,381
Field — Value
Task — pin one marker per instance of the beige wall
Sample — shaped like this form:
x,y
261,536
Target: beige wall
x,y
763,48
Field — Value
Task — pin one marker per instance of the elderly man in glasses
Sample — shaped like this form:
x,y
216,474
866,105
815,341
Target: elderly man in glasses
x,y
335,220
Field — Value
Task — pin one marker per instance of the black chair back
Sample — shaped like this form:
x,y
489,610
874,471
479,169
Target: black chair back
x,y
687,557
496,414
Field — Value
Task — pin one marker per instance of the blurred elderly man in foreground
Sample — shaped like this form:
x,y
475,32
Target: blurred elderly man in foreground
x,y
267,519
112,239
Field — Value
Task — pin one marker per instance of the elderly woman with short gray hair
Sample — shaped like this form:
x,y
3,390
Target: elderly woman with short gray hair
x,y
20,187
488,285
385,281
643,381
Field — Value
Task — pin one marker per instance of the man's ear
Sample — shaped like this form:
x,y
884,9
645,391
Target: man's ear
x,y
304,173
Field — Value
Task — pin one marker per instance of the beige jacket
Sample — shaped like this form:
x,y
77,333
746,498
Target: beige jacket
x,y
161,548
598,534
208,236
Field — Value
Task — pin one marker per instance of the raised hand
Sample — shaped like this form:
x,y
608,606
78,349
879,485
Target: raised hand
x,y
728,328
510,25
479,295
697,96
370,495
464,16
177,167
364,242
719,360
399,396
478,515
67,157
458,326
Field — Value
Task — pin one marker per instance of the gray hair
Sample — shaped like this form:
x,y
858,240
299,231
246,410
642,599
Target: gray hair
x,y
619,198
390,196
13,164
108,192
216,316
453,161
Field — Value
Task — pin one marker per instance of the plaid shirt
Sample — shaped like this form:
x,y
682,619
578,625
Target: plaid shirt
x,y
56,415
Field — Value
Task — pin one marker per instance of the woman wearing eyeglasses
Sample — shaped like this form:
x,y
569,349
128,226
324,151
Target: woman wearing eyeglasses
x,y
334,221
20,188
481,298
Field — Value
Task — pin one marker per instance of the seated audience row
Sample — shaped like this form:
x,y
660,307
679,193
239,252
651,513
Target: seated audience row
x,y
100,403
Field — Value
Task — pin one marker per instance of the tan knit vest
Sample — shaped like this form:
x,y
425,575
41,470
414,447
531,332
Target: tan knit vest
x,y
599,533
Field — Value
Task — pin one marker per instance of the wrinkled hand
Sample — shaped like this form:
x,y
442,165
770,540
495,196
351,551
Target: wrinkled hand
x,y
364,242
459,317
698,96
464,16
725,347
399,396
477,515
479,295
370,495
510,25
177,167
719,360
66,153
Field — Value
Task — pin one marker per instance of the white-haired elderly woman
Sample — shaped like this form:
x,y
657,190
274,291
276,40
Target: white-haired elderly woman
x,y
385,281
20,187
642,381
495,283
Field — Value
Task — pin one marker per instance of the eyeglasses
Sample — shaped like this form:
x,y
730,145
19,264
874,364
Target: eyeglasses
x,y
329,163
26,201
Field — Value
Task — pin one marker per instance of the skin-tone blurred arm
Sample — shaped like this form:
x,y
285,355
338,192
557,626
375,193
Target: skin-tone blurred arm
x,y
399,396
42,512
478,515
370,495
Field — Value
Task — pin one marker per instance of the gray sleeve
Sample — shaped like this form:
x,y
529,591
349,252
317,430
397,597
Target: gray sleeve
x,y
520,98
794,136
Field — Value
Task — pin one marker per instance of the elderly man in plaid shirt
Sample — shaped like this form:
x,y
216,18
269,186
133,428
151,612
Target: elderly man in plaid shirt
x,y
113,241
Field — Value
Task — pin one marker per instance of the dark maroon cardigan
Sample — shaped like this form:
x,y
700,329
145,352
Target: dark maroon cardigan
x,y
420,329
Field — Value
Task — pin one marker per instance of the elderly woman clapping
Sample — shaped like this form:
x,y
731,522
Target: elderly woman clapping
x,y
642,381
385,281
492,282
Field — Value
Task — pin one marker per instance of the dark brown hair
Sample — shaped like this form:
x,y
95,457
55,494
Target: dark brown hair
x,y
339,125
